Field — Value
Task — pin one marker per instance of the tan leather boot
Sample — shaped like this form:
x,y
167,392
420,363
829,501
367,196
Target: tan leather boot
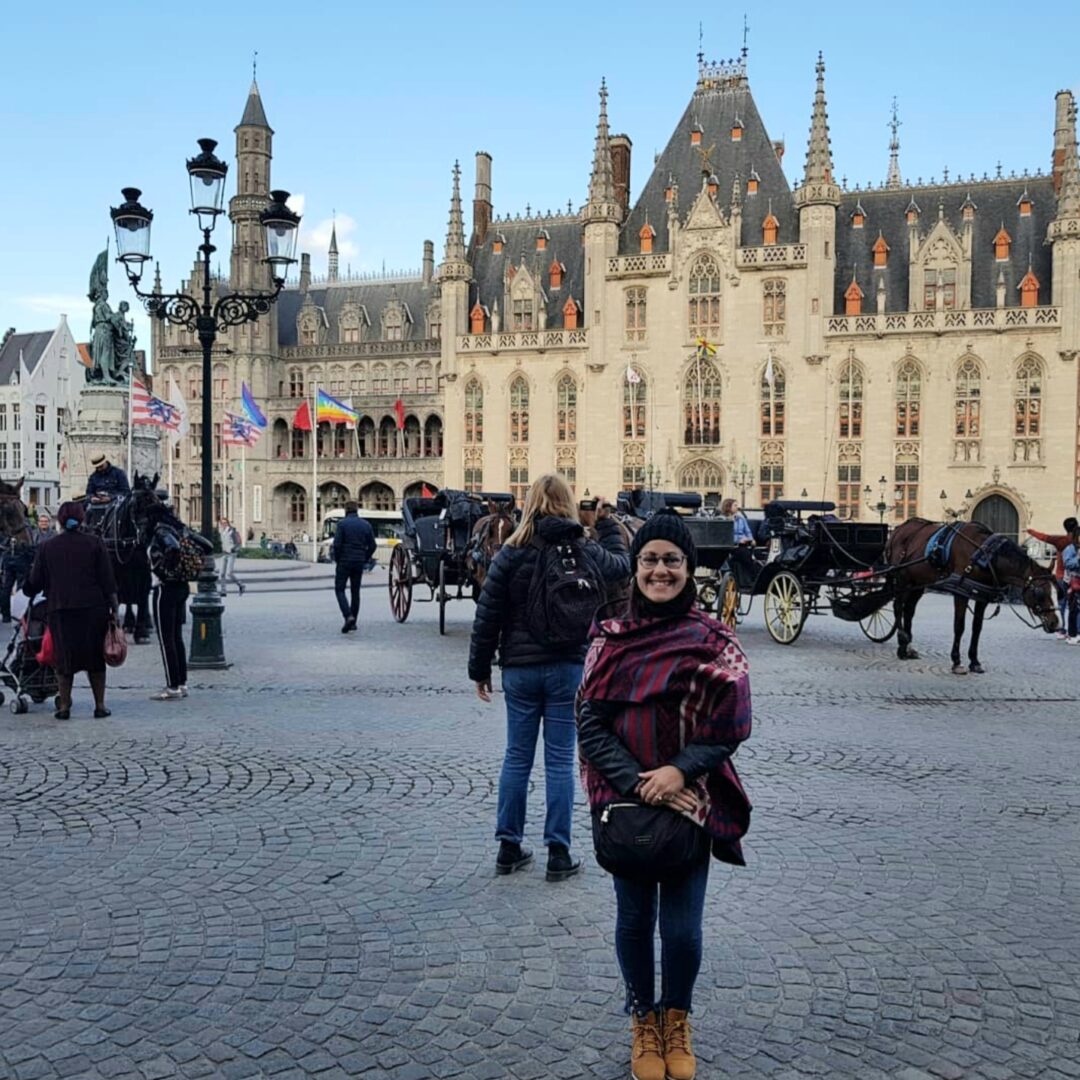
x,y
647,1052
679,1058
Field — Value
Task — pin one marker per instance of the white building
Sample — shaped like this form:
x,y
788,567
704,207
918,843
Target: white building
x,y
41,374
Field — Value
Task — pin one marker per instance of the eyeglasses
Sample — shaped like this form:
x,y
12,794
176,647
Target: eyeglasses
x,y
670,560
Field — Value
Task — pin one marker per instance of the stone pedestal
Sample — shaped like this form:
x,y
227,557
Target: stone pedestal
x,y
101,426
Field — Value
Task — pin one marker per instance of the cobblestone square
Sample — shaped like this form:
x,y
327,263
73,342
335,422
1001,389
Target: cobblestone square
x,y
290,873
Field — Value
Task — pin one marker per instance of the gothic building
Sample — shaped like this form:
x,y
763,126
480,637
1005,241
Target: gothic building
x,y
908,344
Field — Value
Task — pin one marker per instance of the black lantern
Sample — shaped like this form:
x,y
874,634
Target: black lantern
x,y
280,224
206,175
131,221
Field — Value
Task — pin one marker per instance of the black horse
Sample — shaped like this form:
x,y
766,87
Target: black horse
x,y
126,525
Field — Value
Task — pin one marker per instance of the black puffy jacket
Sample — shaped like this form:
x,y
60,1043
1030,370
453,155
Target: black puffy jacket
x,y
354,540
501,621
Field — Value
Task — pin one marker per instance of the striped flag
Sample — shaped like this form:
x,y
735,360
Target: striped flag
x,y
239,431
147,409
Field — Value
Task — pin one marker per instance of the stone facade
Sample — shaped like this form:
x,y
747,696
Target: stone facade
x,y
889,345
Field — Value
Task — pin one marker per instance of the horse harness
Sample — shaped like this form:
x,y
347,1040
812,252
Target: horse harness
x,y
9,541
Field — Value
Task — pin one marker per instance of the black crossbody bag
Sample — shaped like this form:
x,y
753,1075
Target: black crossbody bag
x,y
647,843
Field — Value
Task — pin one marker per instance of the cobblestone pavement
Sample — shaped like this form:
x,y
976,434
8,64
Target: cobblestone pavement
x,y
290,873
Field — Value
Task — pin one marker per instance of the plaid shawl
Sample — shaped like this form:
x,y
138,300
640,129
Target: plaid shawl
x,y
677,680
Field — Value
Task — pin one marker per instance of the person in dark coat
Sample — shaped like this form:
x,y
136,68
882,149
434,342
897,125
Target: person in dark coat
x,y
353,547
18,557
75,573
539,679
107,481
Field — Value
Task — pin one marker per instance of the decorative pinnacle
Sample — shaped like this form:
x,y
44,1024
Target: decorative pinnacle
x,y
893,178
1069,200
602,205
455,230
819,167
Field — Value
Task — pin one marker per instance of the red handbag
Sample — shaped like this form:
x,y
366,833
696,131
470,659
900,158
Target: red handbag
x,y
47,653
115,645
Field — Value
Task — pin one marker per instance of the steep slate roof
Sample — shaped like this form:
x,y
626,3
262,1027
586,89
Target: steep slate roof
x,y
372,296
565,244
996,202
254,114
31,345
715,110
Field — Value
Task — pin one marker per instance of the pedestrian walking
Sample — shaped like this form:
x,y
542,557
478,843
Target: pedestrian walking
x,y
352,549
230,545
1071,559
176,556
1059,542
75,573
664,703
539,598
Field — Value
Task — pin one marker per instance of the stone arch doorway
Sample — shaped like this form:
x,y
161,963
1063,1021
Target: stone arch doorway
x,y
998,513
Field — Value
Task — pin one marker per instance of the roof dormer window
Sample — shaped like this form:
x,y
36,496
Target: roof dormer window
x,y
1024,204
696,133
881,251
858,216
497,242
542,238
912,212
1029,290
753,183
713,184
1002,244
968,208
570,314
476,318
555,274
736,130
645,237
853,298
770,227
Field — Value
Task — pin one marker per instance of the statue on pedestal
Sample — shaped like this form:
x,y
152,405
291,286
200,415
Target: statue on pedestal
x,y
112,334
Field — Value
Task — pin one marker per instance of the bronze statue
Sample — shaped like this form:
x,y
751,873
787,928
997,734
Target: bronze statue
x,y
112,336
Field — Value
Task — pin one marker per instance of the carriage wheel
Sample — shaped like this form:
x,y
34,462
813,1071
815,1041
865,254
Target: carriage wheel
x,y
727,605
785,607
400,583
880,625
443,597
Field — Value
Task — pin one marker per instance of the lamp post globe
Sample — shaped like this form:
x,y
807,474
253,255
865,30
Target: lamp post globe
x,y
206,177
131,223
281,226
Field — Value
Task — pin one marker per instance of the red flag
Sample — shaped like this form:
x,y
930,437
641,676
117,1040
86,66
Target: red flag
x,y
426,492
399,412
302,418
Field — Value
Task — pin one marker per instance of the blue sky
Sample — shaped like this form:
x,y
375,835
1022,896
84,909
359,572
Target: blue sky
x,y
371,105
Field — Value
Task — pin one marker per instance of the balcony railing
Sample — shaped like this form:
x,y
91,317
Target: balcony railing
x,y
771,257
419,347
523,339
332,467
905,322
659,263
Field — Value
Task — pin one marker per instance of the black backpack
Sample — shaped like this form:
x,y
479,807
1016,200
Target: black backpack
x,y
564,594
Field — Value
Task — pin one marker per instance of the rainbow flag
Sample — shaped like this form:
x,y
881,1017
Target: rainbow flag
x,y
328,410
251,407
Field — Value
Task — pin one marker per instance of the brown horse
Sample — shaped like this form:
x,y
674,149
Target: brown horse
x,y
972,566
488,536
13,523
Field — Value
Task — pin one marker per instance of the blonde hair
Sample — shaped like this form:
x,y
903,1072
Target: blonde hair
x,y
549,496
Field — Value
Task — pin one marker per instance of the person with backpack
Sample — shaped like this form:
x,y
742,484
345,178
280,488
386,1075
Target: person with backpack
x,y
230,545
176,558
663,706
536,608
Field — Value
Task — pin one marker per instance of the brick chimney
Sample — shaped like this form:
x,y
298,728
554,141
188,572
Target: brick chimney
x,y
305,272
481,206
620,168
429,261
1062,102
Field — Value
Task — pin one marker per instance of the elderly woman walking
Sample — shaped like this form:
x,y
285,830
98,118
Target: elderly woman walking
x,y
538,601
74,572
664,703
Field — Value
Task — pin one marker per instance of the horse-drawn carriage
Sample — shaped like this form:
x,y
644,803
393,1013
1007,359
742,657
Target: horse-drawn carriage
x,y
444,546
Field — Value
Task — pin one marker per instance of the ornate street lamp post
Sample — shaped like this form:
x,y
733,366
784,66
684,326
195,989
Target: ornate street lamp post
x,y
881,505
744,478
206,175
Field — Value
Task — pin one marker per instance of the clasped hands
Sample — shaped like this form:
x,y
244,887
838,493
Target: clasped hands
x,y
666,786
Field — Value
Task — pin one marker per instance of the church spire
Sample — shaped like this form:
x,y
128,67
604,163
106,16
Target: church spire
x,y
602,204
819,167
892,178
454,265
332,260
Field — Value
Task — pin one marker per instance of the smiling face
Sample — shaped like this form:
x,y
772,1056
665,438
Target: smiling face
x,y
658,581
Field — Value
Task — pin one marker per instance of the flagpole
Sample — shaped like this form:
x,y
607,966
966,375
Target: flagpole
x,y
131,421
169,451
314,472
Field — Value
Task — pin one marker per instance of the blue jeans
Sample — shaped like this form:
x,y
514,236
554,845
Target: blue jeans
x,y
534,692
680,908
350,575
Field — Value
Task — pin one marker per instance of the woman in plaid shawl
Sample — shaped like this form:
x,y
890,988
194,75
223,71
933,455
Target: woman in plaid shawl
x,y
664,703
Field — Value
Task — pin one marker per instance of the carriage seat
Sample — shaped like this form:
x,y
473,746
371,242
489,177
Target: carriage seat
x,y
430,534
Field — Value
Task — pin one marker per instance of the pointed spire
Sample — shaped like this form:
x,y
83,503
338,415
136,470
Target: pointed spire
x,y
893,178
455,231
254,113
602,205
819,166
332,260
1069,200
157,278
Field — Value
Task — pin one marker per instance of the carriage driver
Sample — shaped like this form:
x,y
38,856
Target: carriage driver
x,y
107,481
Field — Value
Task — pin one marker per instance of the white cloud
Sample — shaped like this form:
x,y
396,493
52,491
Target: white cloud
x,y
296,203
316,238
56,304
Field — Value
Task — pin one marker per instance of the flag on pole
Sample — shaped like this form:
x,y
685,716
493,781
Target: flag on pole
x,y
329,410
239,431
706,347
181,406
770,374
148,409
250,407
302,417
632,376
426,492
399,412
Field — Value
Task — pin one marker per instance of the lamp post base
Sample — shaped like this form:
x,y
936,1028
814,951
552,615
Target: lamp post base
x,y
207,640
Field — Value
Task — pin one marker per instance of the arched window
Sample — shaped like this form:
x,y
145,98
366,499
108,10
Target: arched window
x,y
848,480
474,412
281,439
412,436
297,505
424,381
704,280
299,443
474,469
636,313
704,477
633,468
519,410
357,380
388,441
773,391
337,379
566,419
566,465
380,379
1027,410
366,437
220,383
377,496
401,379
519,474
296,383
967,410
906,494
851,400
771,473
701,398
908,394
635,398
332,496
433,437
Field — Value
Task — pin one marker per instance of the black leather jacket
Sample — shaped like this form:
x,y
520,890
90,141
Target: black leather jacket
x,y
501,622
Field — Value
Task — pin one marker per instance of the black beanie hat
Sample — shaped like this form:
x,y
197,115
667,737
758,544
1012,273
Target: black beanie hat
x,y
666,525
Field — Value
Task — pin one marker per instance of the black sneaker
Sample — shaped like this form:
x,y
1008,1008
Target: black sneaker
x,y
512,857
561,864
347,626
